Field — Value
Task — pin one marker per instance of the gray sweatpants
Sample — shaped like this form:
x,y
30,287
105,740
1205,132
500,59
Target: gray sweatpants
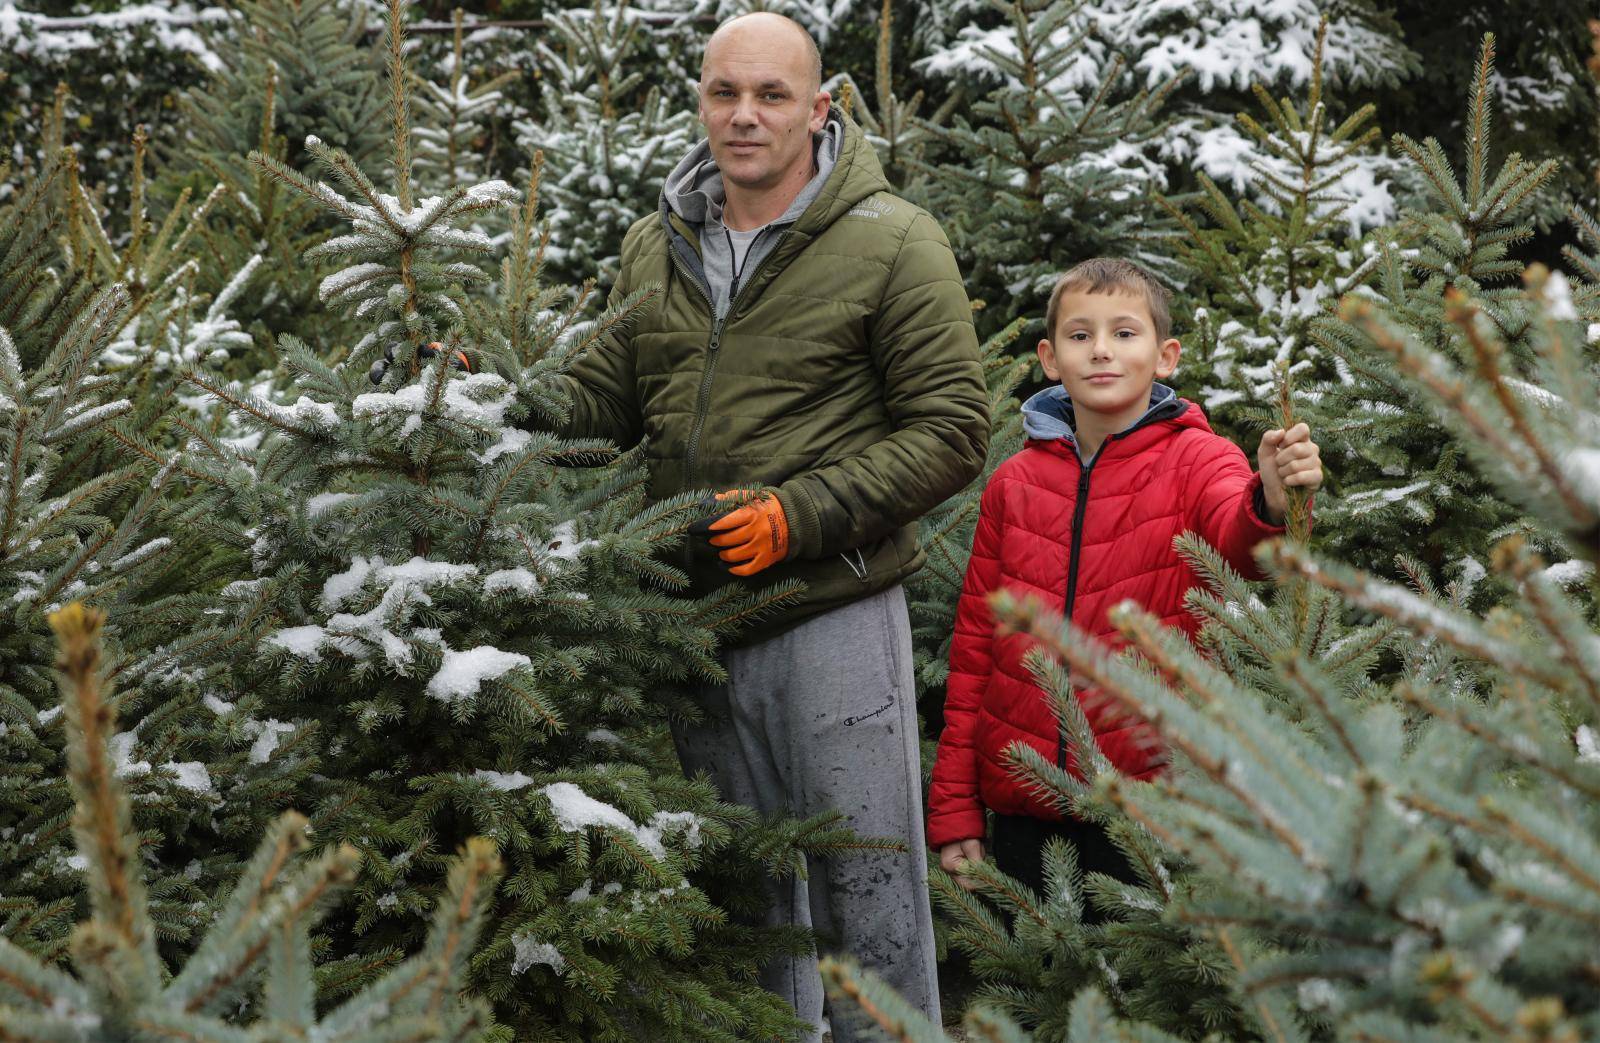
x,y
820,718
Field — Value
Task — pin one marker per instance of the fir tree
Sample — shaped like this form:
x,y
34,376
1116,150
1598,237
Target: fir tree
x,y
1259,274
463,622
610,135
1394,470
261,939
890,121
87,513
1050,164
451,132
284,71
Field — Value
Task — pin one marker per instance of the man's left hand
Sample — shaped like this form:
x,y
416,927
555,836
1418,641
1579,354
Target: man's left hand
x,y
1288,458
752,537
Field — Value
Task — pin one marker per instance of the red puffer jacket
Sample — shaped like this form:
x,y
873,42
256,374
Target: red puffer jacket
x,y
1083,537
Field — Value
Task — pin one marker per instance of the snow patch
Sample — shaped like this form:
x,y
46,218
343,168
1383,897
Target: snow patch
x,y
529,951
462,672
503,780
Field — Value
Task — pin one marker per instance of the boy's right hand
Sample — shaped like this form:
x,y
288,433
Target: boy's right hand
x,y
951,855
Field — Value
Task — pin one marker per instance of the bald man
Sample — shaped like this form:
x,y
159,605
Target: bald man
x,y
811,358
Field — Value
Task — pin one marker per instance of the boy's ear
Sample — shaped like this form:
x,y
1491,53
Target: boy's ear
x,y
1047,359
1167,358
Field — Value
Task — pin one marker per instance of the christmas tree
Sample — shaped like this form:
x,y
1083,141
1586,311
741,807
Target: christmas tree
x,y
1395,470
83,518
610,134
461,623
1259,274
257,954
1049,163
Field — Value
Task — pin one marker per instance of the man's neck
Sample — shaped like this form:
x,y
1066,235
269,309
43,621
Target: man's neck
x,y
745,209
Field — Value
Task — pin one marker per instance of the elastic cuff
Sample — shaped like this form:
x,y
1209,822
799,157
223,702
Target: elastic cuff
x,y
1258,508
952,827
805,529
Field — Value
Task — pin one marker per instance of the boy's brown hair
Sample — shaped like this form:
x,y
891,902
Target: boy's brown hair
x,y
1111,275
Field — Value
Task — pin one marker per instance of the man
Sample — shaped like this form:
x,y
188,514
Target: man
x,y
812,355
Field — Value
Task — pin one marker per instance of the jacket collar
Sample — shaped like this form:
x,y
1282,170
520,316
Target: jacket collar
x,y
856,174
694,191
1048,415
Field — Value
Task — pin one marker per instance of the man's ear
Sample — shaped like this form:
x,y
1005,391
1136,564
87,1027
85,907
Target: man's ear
x,y
819,110
1047,359
1167,359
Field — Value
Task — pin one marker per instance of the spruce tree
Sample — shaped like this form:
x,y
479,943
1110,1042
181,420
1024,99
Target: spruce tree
x,y
462,623
1258,274
451,133
1394,471
1050,163
284,71
87,513
257,955
610,134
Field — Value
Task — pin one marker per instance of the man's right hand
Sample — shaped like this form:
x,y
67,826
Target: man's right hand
x,y
951,856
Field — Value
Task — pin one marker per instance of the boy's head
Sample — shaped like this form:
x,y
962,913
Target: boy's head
x,y
1108,337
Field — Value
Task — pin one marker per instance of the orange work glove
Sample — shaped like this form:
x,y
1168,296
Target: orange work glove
x,y
753,537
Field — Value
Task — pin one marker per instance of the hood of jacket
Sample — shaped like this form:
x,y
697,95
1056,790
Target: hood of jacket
x,y
1048,416
694,190
855,175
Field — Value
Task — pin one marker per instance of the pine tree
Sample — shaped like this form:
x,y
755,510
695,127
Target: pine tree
x,y
1051,161
284,71
609,135
891,122
1543,93
87,513
260,940
462,623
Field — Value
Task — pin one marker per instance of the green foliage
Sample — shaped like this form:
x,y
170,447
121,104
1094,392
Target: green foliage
x,y
256,957
609,136
1260,273
284,72
1394,470
1048,165
475,639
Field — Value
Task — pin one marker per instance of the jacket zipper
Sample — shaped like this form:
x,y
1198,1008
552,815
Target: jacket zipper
x,y
1075,552
703,398
1078,511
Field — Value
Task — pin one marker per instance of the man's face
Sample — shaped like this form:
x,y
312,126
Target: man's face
x,y
758,103
1106,354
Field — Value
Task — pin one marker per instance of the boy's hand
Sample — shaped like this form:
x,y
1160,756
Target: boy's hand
x,y
951,855
1287,458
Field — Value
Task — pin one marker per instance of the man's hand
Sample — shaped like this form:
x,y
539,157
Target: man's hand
x,y
753,537
1287,458
952,855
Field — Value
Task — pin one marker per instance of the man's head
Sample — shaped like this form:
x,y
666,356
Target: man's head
x,y
761,99
1108,336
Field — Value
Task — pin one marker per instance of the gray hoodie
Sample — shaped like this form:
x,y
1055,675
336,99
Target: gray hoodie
x,y
694,192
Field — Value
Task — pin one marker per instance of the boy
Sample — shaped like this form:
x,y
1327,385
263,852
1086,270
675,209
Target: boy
x,y
1115,466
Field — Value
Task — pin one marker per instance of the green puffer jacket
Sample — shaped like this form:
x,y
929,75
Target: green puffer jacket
x,y
845,376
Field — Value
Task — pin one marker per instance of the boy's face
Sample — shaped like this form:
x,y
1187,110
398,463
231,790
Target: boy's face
x,y
1105,353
